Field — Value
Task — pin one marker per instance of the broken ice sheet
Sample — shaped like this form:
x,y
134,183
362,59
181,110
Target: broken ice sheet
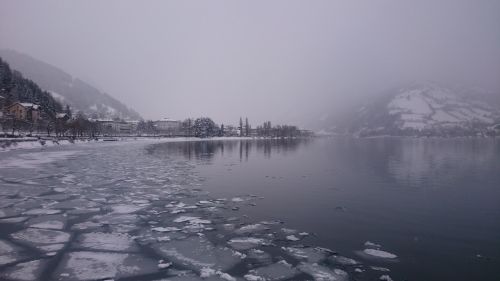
x,y
106,241
48,222
379,254
245,243
165,229
192,220
9,253
259,257
322,273
42,212
14,220
251,228
276,271
87,265
312,255
125,209
26,271
197,253
41,236
340,260
86,225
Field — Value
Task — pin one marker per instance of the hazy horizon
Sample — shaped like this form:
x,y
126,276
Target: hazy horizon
x,y
284,61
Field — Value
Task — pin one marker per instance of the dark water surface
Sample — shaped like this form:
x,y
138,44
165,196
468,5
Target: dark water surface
x,y
435,203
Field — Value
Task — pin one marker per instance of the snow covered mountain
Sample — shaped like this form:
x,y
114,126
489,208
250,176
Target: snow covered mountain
x,y
79,95
427,109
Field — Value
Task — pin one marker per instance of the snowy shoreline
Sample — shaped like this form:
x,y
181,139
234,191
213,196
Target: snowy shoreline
x,y
9,144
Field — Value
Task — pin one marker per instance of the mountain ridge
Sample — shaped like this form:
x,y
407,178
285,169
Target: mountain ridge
x,y
424,109
67,89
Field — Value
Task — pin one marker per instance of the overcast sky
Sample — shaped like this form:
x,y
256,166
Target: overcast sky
x,y
286,61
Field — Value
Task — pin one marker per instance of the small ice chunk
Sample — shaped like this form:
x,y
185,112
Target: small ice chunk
x,y
289,231
312,255
166,229
379,268
192,220
385,278
380,254
340,260
292,238
245,243
259,256
369,244
251,228
42,212
358,270
208,272
322,273
125,209
237,199
276,271
162,264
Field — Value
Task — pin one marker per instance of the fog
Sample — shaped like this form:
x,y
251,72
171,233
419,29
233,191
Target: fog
x,y
285,61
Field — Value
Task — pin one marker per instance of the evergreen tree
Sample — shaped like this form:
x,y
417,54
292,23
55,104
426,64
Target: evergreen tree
x,y
241,127
247,127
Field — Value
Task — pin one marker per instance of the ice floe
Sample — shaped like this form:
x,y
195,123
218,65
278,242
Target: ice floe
x,y
9,253
48,222
166,229
26,271
276,271
87,265
322,273
379,254
251,228
309,254
340,260
125,209
245,243
36,236
197,253
42,212
118,242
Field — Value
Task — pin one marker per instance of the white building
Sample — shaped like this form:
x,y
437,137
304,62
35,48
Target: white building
x,y
168,125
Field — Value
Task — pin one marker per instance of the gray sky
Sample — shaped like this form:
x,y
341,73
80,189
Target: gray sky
x,y
286,61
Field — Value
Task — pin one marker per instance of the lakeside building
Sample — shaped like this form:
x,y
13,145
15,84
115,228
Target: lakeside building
x,y
24,111
110,126
168,126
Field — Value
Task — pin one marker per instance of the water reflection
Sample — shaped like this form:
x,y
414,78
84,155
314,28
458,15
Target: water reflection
x,y
205,151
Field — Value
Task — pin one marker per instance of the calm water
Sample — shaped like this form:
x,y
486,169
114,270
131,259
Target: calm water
x,y
115,210
433,202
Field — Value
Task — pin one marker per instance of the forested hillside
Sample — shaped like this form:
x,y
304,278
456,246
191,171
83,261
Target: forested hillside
x,y
14,87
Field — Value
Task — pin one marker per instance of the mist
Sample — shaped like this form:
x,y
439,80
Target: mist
x,y
285,61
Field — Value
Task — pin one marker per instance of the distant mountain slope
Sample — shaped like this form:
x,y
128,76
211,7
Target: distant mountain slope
x,y
15,88
427,109
80,95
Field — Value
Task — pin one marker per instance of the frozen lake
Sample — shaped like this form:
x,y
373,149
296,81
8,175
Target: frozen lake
x,y
323,209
